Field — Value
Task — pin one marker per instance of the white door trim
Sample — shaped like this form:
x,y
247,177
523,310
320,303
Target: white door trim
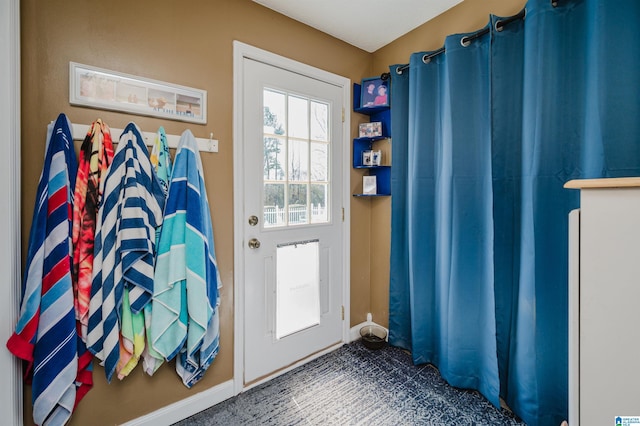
x,y
10,253
240,52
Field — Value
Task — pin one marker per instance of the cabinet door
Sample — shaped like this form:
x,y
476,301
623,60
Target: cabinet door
x,y
574,317
609,305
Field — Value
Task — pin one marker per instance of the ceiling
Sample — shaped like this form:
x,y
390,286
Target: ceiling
x,y
367,24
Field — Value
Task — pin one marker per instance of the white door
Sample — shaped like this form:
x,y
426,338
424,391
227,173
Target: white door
x,y
293,251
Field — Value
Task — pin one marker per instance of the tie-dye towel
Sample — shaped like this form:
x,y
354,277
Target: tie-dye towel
x,y
96,154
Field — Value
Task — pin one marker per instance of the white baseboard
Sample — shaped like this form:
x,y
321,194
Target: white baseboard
x,y
354,332
187,407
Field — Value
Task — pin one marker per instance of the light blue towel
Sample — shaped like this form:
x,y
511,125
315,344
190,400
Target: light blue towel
x,y
161,161
185,315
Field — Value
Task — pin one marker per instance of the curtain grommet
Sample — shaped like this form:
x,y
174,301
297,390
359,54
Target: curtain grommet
x,y
465,41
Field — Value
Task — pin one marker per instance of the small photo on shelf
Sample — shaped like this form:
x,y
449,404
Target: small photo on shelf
x,y
370,130
369,185
366,158
376,158
374,93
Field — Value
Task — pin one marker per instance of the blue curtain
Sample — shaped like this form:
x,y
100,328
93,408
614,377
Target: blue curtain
x,y
485,135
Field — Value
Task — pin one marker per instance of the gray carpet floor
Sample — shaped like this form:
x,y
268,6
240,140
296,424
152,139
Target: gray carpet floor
x,y
356,386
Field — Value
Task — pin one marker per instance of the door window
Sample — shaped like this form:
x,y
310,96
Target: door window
x,y
296,168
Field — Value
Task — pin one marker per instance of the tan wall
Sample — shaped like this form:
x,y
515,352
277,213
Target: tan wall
x,y
188,43
470,15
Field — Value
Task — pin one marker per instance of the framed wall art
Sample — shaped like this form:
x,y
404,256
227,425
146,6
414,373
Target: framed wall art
x,y
104,89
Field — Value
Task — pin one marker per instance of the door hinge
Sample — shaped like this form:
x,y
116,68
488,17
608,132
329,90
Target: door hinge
x,y
343,114
343,214
342,312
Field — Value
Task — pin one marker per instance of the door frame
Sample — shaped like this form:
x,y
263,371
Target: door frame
x,y
11,401
242,51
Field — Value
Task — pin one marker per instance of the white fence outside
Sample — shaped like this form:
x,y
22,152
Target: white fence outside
x,y
275,216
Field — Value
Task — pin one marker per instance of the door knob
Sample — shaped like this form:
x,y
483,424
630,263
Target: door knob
x,y
254,243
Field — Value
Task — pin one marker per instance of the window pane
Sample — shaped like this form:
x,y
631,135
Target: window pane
x,y
319,164
298,161
275,119
274,158
319,203
297,204
297,288
319,121
273,211
298,118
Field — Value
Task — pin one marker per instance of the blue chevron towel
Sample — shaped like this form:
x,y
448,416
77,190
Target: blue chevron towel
x,y
45,335
185,302
124,245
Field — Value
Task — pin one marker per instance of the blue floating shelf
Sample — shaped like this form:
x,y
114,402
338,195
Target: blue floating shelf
x,y
372,195
371,167
382,173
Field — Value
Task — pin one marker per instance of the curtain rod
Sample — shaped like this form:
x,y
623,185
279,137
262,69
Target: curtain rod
x,y
466,40
79,131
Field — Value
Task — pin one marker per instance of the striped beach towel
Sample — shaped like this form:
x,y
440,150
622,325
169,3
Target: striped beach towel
x,y
45,334
131,209
132,331
185,306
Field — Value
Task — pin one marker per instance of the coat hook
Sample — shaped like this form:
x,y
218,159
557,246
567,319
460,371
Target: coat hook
x,y
211,142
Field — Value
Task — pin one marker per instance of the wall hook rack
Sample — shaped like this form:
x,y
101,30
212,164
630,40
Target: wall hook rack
x,y
204,144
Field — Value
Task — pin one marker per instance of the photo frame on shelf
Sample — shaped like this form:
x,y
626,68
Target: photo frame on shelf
x,y
374,93
110,90
370,130
376,157
369,185
366,158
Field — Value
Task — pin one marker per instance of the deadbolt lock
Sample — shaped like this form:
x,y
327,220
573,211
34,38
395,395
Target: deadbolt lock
x,y
253,220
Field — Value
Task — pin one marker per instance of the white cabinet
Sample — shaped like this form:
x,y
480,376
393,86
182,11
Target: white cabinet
x,y
604,299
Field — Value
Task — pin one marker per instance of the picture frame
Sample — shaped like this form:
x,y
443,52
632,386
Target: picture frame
x,y
376,157
374,93
99,88
366,158
370,130
369,185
